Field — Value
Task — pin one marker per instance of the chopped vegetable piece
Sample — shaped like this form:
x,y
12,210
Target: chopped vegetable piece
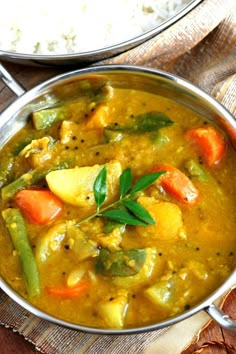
x,y
39,206
50,242
210,142
75,186
114,308
177,184
29,179
80,244
47,117
160,138
120,263
98,117
39,151
75,276
168,217
70,130
198,269
16,227
195,170
69,291
99,94
67,235
161,293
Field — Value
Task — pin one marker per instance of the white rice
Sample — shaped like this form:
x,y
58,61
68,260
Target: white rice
x,y
73,26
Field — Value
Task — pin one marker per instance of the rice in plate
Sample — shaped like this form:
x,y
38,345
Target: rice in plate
x,y
46,28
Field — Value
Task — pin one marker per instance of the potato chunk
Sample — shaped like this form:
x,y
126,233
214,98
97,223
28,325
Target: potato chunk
x,y
168,218
160,293
113,309
70,130
98,117
75,185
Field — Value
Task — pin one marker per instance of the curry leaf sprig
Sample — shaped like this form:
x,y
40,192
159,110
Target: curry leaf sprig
x,y
125,210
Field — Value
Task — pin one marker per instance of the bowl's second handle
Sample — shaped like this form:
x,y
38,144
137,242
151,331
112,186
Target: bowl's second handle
x,y
9,80
220,317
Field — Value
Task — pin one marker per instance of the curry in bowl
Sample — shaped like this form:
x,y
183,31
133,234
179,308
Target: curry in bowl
x,y
117,208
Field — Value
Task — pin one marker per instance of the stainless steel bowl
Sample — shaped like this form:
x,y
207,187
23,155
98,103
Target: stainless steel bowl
x,y
98,54
65,86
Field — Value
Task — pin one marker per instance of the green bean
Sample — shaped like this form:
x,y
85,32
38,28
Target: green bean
x,y
6,169
28,179
16,227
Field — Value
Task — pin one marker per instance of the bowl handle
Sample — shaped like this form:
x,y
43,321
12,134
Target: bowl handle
x,y
8,79
220,317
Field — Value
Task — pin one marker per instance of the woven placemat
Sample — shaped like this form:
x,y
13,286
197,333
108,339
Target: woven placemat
x,y
201,48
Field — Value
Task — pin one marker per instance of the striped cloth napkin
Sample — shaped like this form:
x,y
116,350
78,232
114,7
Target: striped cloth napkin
x,y
201,47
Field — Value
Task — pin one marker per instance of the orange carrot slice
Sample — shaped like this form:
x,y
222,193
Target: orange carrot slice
x,y
210,143
177,184
67,292
38,206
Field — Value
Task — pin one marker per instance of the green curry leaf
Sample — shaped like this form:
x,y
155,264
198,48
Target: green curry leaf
x,y
145,182
100,187
125,210
125,182
139,211
151,121
124,217
145,122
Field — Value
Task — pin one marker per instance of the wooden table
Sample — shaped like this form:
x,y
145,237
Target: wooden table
x,y
212,340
